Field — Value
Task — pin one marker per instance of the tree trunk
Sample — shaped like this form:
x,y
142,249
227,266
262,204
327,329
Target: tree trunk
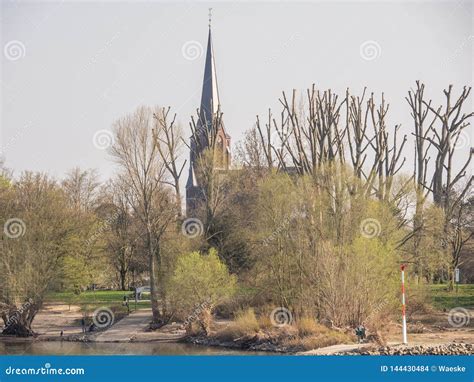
x,y
18,321
153,282
205,320
123,279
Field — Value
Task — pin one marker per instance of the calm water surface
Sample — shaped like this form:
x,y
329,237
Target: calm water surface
x,y
81,348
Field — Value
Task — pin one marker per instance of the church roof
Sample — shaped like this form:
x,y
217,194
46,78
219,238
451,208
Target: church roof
x,y
192,182
210,91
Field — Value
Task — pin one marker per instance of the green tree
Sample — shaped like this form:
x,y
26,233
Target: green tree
x,y
199,283
38,227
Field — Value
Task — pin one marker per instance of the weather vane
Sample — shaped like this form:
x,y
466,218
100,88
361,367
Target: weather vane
x,y
210,16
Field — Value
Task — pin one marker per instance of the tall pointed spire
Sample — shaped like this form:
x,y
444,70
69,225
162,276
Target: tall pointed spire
x,y
210,106
210,92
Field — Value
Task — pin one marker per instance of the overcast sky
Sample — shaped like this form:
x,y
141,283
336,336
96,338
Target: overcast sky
x,y
69,69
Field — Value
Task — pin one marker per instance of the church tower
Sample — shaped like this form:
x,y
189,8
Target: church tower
x,y
210,115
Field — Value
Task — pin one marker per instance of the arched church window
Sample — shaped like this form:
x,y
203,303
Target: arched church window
x,y
220,151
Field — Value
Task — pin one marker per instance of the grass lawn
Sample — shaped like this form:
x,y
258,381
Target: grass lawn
x,y
97,298
442,299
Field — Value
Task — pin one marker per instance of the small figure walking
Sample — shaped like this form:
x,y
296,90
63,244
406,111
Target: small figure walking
x,y
360,333
126,303
83,325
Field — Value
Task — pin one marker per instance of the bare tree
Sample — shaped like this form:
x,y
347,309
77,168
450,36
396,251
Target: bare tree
x,y
205,151
461,227
313,140
144,174
250,152
169,141
451,124
357,121
81,186
443,134
422,129
387,155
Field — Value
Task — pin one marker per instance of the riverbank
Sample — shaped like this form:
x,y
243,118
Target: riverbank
x,y
429,334
392,348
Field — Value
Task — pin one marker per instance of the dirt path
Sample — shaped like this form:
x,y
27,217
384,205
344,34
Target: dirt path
x,y
133,328
53,319
127,328
434,328
56,318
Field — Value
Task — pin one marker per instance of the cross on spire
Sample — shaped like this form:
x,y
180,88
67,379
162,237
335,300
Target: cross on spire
x,y
210,16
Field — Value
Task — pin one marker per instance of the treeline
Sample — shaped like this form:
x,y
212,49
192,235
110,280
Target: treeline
x,y
316,216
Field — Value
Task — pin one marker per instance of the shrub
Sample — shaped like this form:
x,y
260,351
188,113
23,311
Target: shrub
x,y
265,322
246,322
320,337
198,284
307,326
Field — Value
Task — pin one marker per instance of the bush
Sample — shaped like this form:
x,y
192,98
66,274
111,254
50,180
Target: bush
x,y
265,322
307,326
197,285
322,340
244,324
320,337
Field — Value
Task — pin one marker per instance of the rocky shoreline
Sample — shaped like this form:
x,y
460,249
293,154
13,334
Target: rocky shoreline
x,y
255,344
247,343
442,349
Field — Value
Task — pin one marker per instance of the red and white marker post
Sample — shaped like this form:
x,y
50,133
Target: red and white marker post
x,y
404,319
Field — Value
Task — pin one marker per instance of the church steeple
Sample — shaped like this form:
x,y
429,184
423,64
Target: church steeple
x,y
209,108
210,92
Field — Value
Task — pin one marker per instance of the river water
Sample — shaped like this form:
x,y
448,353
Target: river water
x,y
81,348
